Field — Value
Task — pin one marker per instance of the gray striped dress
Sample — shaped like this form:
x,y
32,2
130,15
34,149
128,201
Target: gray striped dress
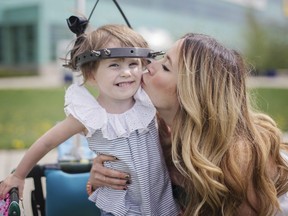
x,y
133,138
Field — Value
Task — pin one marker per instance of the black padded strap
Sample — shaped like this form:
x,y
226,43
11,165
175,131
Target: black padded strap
x,y
123,52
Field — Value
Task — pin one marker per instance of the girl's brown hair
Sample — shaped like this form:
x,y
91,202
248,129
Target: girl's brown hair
x,y
98,39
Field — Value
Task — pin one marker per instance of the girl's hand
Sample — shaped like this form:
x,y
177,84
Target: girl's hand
x,y
102,176
12,181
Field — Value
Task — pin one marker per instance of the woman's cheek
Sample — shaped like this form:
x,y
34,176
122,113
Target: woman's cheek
x,y
160,83
167,87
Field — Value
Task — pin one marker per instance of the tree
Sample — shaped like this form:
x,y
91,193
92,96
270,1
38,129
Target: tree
x,y
267,44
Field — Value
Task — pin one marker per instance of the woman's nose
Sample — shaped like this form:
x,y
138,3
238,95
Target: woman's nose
x,y
152,68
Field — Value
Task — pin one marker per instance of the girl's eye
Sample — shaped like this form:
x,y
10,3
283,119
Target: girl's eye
x,y
134,64
165,68
113,65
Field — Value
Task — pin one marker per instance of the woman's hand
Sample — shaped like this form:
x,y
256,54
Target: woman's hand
x,y
102,176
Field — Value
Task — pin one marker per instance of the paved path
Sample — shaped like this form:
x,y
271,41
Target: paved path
x,y
56,80
273,82
53,79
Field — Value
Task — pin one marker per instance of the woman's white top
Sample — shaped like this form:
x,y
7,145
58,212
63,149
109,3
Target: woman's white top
x,y
132,137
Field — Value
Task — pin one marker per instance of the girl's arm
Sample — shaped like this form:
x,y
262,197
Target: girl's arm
x,y
51,139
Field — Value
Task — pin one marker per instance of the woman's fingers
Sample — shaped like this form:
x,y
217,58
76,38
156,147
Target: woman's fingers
x,y
100,159
118,184
113,181
102,176
98,168
98,180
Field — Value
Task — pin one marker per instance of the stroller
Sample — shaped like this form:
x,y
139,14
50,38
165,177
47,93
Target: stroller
x,y
65,190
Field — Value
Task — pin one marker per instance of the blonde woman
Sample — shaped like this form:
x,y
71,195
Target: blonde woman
x,y
226,158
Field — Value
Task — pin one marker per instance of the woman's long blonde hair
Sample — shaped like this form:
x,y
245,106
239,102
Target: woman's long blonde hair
x,y
218,143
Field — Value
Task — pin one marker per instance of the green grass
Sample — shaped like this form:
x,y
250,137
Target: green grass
x,y
15,73
26,114
273,102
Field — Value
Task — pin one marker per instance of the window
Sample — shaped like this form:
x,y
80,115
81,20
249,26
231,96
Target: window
x,y
30,35
1,45
22,44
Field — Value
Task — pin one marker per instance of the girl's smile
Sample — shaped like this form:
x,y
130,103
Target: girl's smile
x,y
125,84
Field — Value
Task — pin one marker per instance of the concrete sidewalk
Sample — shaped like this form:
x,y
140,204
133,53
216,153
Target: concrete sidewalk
x,y
42,81
280,81
10,158
55,79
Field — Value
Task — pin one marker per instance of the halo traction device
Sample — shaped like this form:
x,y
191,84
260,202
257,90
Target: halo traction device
x,y
127,52
78,26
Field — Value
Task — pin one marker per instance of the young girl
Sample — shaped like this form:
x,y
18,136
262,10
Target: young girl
x,y
120,122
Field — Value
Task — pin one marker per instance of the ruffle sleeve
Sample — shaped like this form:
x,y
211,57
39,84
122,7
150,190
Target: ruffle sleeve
x,y
80,103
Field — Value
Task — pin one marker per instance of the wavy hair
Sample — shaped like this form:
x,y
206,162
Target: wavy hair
x,y
221,146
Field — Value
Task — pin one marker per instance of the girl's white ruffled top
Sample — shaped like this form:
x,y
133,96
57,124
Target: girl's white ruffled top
x,y
132,137
82,105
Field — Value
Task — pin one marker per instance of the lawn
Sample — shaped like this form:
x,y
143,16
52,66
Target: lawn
x,y
27,114
273,102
